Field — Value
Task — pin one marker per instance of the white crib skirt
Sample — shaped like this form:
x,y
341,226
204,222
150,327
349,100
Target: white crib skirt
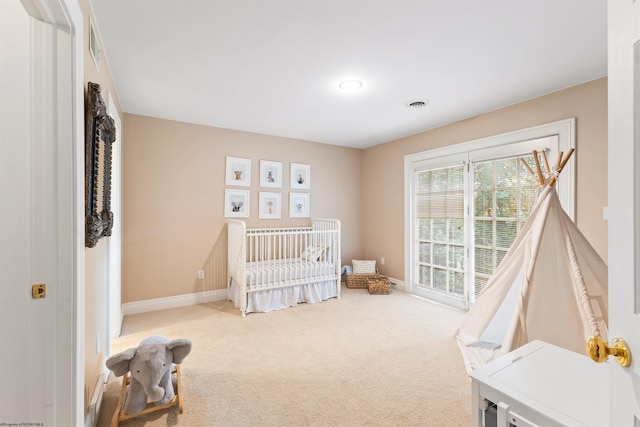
x,y
276,299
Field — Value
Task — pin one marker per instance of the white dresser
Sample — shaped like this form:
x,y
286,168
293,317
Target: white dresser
x,y
540,384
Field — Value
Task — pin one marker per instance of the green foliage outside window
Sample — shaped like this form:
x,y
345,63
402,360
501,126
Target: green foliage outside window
x,y
503,194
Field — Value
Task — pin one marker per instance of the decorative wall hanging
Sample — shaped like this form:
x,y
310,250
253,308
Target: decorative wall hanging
x,y
270,206
238,172
298,205
270,174
236,203
300,176
100,134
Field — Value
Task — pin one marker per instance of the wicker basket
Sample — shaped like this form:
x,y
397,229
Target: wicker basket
x,y
379,285
360,281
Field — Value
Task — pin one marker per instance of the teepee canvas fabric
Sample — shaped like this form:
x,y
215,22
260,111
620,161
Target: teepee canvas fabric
x,y
551,286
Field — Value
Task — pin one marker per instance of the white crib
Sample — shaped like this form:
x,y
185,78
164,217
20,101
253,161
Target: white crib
x,y
274,268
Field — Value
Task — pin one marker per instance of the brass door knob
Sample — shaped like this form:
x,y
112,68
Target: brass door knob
x,y
599,350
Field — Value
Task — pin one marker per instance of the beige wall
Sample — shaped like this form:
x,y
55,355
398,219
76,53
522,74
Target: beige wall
x,y
173,174
383,166
96,258
174,182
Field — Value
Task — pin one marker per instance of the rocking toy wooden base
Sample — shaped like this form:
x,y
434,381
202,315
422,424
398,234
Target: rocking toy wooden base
x,y
120,415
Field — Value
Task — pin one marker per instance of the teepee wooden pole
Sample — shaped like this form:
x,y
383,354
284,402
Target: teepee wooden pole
x,y
526,165
562,164
566,158
559,160
539,176
546,163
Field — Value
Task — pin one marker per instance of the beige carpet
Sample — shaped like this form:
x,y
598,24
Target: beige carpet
x,y
362,360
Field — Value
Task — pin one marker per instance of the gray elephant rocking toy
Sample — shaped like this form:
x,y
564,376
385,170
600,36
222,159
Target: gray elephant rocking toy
x,y
150,366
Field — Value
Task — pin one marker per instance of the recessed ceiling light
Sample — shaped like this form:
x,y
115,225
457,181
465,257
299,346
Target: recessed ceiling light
x,y
350,85
417,103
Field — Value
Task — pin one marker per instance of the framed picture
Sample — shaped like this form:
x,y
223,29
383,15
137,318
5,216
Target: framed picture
x,y
298,205
270,206
270,174
300,176
236,203
238,172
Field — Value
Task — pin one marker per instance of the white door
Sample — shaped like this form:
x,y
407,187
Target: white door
x,y
25,325
624,207
37,342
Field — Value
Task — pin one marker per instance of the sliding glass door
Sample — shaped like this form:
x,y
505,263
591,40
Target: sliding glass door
x,y
465,210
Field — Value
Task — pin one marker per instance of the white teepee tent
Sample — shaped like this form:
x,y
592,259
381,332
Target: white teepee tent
x,y
551,285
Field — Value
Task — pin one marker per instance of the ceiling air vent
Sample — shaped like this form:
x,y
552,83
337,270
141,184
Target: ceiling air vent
x,y
418,103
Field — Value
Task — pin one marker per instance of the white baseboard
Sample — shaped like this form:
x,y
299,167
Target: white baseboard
x,y
398,285
93,411
173,302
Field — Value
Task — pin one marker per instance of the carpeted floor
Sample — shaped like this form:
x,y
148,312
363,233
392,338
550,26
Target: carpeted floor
x,y
362,360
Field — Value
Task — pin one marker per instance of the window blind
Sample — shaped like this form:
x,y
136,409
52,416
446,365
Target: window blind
x,y
440,193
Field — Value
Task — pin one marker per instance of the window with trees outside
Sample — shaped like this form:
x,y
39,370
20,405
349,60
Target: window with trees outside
x,y
466,208
503,194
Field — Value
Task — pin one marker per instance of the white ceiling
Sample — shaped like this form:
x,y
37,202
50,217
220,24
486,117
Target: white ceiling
x,y
273,67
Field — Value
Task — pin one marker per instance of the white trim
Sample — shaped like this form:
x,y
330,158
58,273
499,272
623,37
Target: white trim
x,y
183,300
76,24
95,405
114,284
563,129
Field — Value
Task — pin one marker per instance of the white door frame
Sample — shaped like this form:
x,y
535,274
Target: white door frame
x,y
114,281
68,387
